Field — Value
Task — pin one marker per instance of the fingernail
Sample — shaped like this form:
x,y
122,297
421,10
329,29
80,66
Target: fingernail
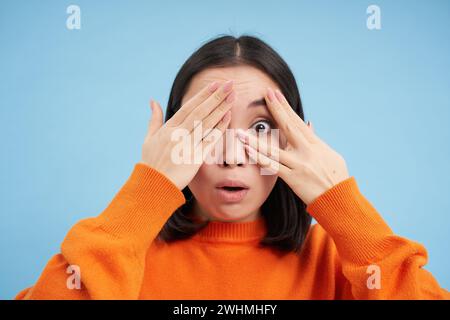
x,y
279,95
230,97
270,95
241,132
241,135
250,151
227,86
243,139
226,117
213,86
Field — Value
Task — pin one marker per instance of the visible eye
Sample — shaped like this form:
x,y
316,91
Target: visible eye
x,y
262,126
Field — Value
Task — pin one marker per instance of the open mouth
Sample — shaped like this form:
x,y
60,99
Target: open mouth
x,y
230,194
232,188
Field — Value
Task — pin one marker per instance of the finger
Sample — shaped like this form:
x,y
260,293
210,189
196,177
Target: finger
x,y
215,116
218,101
272,166
187,108
284,120
294,116
215,134
156,120
271,151
310,125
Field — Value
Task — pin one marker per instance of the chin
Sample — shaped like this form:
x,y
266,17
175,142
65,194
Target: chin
x,y
230,215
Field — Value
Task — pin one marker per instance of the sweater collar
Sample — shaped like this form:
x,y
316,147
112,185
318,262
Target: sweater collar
x,y
233,231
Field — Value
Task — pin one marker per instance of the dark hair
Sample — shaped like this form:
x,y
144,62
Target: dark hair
x,y
284,213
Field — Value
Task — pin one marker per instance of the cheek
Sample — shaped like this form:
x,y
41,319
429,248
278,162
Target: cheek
x,y
269,181
200,183
264,184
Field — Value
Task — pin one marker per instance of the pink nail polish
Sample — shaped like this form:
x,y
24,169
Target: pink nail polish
x,y
241,132
279,95
227,86
270,95
227,116
242,136
230,97
213,86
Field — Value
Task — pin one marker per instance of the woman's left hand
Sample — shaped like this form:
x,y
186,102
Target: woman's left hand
x,y
307,164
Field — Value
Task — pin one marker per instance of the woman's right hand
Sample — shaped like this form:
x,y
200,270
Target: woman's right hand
x,y
210,106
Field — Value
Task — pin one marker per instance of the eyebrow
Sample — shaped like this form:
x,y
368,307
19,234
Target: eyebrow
x,y
257,103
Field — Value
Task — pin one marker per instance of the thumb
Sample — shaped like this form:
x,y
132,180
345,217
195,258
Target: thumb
x,y
156,120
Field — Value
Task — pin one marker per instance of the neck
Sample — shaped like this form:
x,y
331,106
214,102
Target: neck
x,y
219,231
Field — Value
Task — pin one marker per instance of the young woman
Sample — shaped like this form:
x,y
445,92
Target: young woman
x,y
225,229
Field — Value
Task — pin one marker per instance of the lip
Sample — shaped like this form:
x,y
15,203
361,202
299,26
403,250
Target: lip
x,y
231,196
231,183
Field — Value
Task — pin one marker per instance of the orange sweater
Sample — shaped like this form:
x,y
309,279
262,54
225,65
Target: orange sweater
x,y
119,258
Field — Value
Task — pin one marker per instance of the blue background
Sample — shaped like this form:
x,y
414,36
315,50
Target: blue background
x,y
74,106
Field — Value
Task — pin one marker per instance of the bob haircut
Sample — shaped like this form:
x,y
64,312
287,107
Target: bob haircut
x,y
284,212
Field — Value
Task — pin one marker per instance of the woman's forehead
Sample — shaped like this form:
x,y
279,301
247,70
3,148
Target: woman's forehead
x,y
249,82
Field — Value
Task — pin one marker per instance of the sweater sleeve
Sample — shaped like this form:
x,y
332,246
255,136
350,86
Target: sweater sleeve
x,y
104,257
376,263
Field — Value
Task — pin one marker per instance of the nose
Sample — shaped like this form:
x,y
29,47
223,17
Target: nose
x,y
234,154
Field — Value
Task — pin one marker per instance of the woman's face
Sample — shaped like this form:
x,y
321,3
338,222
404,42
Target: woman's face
x,y
211,202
